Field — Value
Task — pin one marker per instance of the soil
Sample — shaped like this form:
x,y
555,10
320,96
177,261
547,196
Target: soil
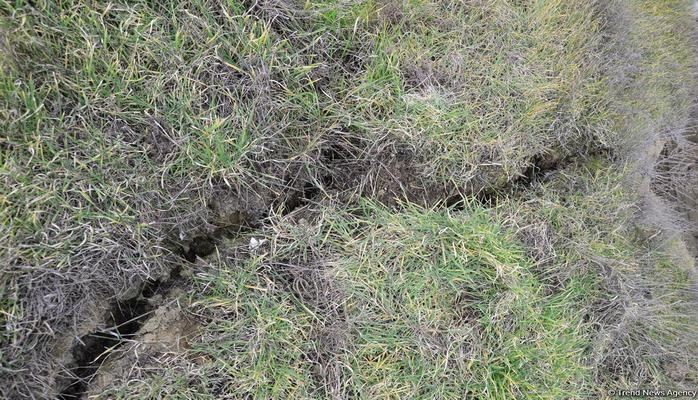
x,y
167,330
151,320
149,323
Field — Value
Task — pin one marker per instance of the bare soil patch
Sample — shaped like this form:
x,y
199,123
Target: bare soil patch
x,y
147,324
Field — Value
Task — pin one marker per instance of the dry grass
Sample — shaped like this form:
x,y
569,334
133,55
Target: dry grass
x,y
338,131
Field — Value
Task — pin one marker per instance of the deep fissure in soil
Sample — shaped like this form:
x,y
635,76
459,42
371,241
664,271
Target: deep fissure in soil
x,y
123,320
126,317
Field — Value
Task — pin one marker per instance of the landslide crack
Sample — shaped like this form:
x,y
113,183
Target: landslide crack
x,y
123,320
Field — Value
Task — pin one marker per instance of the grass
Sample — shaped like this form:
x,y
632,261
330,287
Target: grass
x,y
362,133
643,296
459,312
420,304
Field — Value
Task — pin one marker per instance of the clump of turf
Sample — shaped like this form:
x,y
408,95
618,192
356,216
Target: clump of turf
x,y
584,224
415,304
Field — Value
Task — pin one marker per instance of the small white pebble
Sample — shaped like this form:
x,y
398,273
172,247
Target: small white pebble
x,y
256,243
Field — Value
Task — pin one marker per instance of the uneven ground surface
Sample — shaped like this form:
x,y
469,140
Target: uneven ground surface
x,y
347,199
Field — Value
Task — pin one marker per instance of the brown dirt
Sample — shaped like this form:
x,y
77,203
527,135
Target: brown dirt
x,y
166,331
145,322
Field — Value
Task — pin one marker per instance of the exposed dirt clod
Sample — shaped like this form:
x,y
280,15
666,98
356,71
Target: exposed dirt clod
x,y
166,330
151,320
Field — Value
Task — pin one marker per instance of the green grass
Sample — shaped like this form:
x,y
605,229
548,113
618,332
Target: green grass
x,y
458,311
416,304
643,296
122,122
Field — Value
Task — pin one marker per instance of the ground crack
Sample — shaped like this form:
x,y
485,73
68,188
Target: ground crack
x,y
123,320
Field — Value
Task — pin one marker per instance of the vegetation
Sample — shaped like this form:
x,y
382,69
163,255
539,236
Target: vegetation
x,y
399,199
